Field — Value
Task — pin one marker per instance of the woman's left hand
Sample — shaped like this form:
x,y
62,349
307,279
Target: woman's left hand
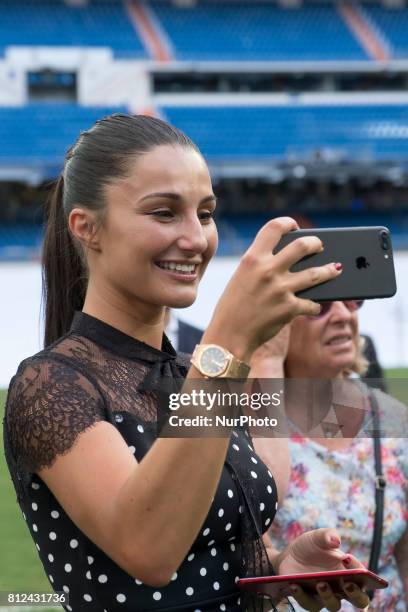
x,y
319,551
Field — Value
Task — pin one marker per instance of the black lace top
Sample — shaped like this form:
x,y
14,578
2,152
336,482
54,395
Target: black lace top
x,y
95,373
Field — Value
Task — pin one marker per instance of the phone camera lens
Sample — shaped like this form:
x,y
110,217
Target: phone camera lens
x,y
384,241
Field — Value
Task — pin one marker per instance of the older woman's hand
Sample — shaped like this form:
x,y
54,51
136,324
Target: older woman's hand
x,y
268,359
319,551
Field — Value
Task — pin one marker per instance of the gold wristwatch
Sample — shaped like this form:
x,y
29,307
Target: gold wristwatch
x,y
213,361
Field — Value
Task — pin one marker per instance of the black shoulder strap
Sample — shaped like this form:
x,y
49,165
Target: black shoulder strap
x,y
380,483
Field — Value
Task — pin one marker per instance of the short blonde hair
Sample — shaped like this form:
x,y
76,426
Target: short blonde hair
x,y
361,363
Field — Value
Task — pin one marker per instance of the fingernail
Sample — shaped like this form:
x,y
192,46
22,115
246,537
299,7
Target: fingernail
x,y
346,561
323,587
294,589
334,540
338,266
350,588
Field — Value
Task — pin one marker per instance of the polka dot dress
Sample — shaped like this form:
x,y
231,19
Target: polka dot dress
x,y
206,580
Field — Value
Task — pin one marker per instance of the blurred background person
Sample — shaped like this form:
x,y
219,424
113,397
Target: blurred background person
x,y
183,336
332,480
374,373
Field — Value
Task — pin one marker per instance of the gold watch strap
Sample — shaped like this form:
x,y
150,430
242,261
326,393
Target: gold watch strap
x,y
236,369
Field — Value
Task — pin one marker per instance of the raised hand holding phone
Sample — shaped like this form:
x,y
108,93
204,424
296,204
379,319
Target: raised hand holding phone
x,y
365,253
263,292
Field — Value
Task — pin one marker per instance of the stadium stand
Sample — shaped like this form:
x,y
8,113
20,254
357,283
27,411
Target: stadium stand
x,y
393,25
209,31
20,242
245,133
49,23
257,32
38,134
354,132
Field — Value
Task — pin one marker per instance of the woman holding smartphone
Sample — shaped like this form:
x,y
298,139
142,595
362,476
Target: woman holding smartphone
x,y
124,519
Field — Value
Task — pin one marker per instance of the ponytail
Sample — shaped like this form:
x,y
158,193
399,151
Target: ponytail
x,y
64,275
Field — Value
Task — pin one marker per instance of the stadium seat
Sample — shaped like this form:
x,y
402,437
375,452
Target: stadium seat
x,y
393,25
256,31
38,135
351,132
46,22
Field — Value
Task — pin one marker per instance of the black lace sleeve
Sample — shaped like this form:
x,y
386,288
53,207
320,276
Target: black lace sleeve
x,y
49,404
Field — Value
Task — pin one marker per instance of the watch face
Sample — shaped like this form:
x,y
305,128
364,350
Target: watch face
x,y
213,361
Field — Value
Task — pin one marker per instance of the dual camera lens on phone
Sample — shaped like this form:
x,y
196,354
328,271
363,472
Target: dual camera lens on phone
x,y
384,240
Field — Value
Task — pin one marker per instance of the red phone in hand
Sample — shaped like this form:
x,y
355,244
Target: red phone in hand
x,y
277,587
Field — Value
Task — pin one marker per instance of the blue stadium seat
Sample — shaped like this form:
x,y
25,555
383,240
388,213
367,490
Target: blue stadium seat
x,y
46,22
257,31
38,135
394,25
20,241
355,132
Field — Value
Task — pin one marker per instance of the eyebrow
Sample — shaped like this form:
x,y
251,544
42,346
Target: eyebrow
x,y
176,197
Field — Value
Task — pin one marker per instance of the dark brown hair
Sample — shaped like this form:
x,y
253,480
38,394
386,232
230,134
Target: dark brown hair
x,y
100,155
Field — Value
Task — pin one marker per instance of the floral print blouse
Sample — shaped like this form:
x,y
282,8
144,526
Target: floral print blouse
x,y
337,489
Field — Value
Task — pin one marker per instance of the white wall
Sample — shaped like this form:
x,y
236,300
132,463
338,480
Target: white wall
x,y
20,329
102,80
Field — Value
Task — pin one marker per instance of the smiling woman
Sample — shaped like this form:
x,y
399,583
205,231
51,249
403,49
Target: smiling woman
x,y
158,234
124,519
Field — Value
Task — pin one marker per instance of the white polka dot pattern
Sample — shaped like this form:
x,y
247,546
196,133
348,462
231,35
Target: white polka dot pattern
x,y
207,571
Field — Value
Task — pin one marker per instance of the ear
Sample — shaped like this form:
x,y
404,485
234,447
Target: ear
x,y
82,225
